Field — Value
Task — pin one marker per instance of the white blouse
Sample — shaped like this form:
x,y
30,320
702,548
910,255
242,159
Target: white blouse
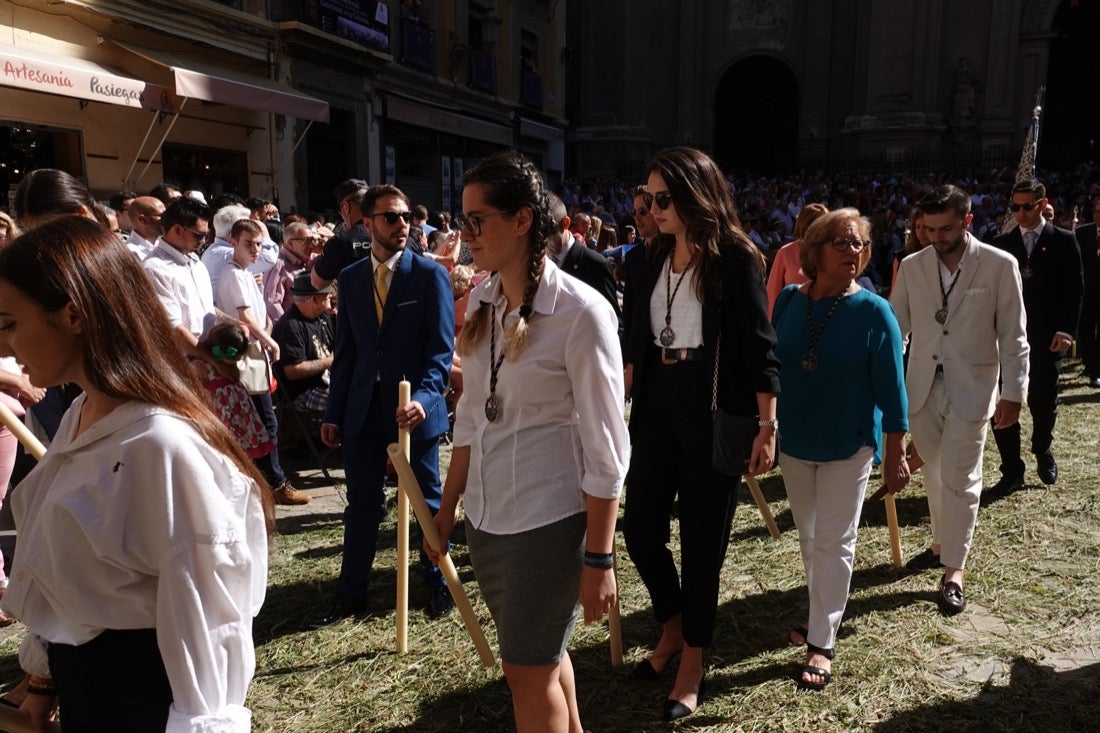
x,y
560,433
138,523
687,311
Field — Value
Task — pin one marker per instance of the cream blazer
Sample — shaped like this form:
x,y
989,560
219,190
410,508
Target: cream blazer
x,y
984,336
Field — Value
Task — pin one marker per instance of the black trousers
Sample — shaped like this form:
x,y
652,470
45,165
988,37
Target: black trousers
x,y
1088,343
1042,401
115,682
671,461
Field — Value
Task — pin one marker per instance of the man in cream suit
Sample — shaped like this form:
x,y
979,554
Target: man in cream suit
x,y
961,303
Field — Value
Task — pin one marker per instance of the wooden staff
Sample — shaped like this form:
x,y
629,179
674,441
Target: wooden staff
x,y
21,432
895,533
615,622
12,720
407,483
758,497
404,394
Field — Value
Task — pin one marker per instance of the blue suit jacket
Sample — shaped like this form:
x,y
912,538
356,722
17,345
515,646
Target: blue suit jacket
x,y
415,341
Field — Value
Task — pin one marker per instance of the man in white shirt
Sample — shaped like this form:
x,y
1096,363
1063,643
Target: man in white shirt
x,y
144,214
220,252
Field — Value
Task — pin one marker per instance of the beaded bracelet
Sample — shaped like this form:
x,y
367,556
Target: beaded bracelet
x,y
599,560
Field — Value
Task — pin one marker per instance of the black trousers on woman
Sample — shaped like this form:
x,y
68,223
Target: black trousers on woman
x,y
670,461
115,682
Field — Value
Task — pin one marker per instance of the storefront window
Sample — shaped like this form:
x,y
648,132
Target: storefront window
x,y
27,147
209,170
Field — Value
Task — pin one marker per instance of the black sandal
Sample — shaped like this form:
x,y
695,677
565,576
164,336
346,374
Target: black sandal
x,y
825,675
802,631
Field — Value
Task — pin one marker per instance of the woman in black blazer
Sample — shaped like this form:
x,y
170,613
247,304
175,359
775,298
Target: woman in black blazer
x,y
702,275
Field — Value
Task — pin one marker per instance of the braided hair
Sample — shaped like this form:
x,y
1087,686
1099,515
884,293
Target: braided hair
x,y
512,182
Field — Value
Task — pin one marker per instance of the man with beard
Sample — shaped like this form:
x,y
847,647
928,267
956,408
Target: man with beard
x,y
145,226
960,301
395,321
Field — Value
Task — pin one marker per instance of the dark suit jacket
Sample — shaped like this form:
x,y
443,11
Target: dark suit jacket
x,y
415,342
748,364
634,269
593,269
1090,258
1052,295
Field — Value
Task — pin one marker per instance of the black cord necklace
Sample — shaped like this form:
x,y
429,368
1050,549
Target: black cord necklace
x,y
809,359
492,404
667,335
941,314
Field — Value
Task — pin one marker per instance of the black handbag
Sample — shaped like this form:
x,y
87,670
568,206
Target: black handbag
x,y
732,435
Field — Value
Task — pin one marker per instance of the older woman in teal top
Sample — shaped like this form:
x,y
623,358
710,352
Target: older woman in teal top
x,y
843,388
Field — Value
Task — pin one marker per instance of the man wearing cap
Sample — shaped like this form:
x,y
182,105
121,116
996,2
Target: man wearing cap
x,y
305,334
352,242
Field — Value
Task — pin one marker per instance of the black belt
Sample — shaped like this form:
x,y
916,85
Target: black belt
x,y
676,356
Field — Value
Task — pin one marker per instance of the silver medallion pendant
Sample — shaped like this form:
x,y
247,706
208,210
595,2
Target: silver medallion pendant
x,y
667,336
492,408
809,362
1026,273
941,316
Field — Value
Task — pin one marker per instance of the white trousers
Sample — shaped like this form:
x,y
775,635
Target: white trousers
x,y
952,451
826,501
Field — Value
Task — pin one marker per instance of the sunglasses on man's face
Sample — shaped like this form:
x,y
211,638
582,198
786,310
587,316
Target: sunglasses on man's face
x,y
1025,207
391,217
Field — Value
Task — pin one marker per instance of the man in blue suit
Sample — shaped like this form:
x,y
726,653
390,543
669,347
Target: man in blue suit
x,y
395,322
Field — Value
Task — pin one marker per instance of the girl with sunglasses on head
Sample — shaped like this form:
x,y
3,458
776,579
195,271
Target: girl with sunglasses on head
x,y
540,443
703,281
843,385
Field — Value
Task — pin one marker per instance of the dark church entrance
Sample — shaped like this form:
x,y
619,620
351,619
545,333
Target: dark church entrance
x,y
756,116
1070,128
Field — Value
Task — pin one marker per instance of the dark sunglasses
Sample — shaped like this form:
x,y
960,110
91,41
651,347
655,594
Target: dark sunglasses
x,y
391,217
1025,207
662,200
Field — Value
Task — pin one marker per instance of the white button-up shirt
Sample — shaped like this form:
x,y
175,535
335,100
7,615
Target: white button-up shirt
x,y
183,286
560,433
139,523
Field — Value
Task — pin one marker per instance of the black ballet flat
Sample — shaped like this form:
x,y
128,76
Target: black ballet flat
x,y
674,709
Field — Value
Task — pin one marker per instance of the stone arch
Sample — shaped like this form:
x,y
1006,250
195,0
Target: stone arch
x,y
756,107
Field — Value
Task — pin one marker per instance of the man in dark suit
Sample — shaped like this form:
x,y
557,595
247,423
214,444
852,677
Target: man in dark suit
x,y
1050,268
1088,332
634,266
395,322
588,266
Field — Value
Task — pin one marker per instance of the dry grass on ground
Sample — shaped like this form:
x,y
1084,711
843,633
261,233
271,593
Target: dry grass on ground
x,y
1023,657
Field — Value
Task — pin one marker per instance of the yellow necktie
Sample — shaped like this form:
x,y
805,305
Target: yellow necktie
x,y
381,290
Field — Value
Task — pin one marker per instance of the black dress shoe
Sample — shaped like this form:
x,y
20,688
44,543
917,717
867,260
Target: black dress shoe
x,y
926,560
1048,468
1005,485
951,598
340,608
440,603
674,709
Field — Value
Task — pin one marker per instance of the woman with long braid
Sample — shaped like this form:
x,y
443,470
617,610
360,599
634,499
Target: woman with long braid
x,y
540,445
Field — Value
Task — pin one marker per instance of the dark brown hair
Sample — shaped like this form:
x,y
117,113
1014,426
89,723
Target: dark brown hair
x,y
129,351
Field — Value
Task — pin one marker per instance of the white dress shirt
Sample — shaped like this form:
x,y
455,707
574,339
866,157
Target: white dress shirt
x,y
139,245
237,288
183,286
560,433
139,523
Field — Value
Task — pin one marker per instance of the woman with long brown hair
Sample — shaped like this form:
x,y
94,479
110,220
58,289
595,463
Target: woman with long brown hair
x,y
142,549
701,334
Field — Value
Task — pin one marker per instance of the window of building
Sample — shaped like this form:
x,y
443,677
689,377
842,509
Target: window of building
x,y
26,147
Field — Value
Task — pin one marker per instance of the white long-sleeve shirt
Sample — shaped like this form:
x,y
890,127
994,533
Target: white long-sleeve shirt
x,y
183,286
139,523
560,433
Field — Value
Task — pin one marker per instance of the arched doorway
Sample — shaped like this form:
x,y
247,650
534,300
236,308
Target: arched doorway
x,y
756,116
1071,113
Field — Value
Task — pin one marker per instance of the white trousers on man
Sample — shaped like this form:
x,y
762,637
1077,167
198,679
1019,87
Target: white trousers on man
x,y
952,450
826,501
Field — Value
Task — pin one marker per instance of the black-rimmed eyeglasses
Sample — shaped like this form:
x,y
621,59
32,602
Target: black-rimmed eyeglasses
x,y
472,224
842,244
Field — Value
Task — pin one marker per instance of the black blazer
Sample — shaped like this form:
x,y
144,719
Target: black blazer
x,y
1090,258
634,269
594,270
1052,295
748,363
